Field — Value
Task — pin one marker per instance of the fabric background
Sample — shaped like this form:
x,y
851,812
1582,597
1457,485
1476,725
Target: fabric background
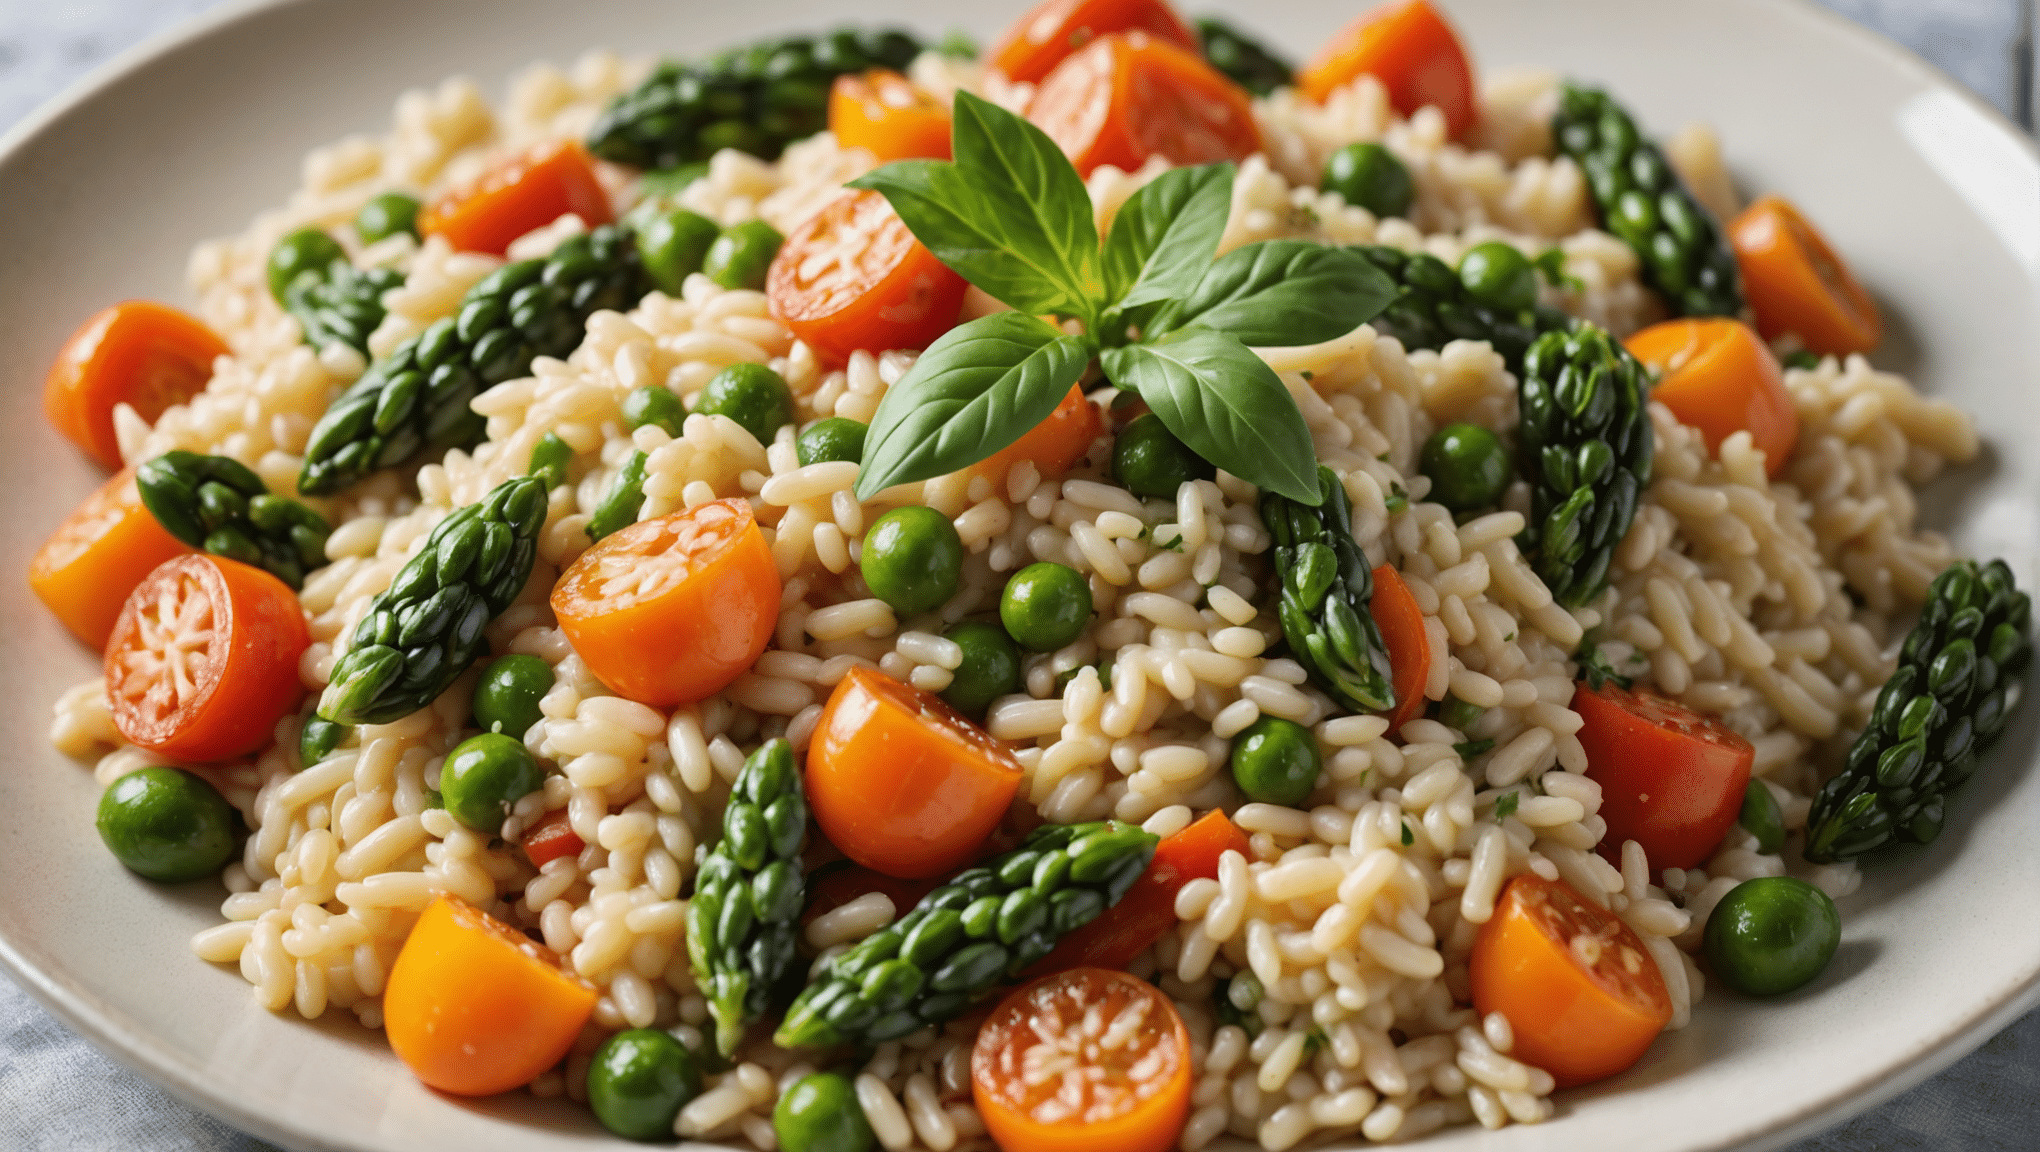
x,y
58,1094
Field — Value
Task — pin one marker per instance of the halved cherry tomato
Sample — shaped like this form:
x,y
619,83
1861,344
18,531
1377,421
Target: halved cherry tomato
x,y
204,659
1796,283
146,355
1582,995
901,782
1129,96
1148,909
552,838
1408,46
1044,1083
833,886
1721,378
672,609
110,543
854,277
1055,445
1043,38
474,1007
527,191
1671,779
889,116
1395,612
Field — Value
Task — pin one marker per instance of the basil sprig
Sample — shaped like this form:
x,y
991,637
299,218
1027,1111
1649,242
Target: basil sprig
x,y
1163,318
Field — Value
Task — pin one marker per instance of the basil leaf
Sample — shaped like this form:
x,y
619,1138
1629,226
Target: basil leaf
x,y
1226,404
1166,234
977,389
1283,293
1009,215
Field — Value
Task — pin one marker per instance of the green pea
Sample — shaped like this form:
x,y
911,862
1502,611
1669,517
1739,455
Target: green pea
x,y
484,776
668,182
835,438
912,559
305,250
1497,275
1762,817
990,668
506,700
1149,460
639,1080
1276,761
167,824
751,394
1045,606
1371,177
1772,934
1457,714
1468,466
673,247
740,255
820,1113
385,216
655,404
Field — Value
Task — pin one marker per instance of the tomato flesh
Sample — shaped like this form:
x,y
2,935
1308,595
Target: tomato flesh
x,y
1129,96
146,355
1796,283
1054,446
1130,927
1408,46
552,838
853,277
888,116
833,886
1046,36
110,543
527,191
1395,612
1720,378
1671,779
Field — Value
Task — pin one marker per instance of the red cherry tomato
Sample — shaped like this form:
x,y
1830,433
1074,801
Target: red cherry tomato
x,y
1148,909
1043,38
1401,622
552,838
1671,779
1129,96
1411,49
527,191
854,277
146,355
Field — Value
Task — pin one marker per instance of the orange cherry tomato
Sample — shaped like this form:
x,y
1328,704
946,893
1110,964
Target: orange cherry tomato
x,y
204,659
672,609
889,116
552,838
1411,48
1582,995
1796,283
1671,779
474,1007
1133,1096
146,355
901,782
526,191
1721,378
1054,446
1148,909
831,887
854,277
1043,38
110,543
1129,96
1401,622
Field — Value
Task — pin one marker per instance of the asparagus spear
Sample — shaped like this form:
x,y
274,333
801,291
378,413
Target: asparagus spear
x,y
1244,60
218,504
333,300
743,921
424,630
966,937
1435,307
1326,584
1958,676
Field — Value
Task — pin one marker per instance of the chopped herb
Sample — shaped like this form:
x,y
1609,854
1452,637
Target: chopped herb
x,y
1398,500
1552,265
1506,806
1595,666
1472,748
1408,837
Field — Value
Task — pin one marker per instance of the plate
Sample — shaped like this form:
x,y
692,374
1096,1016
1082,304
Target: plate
x,y
1934,199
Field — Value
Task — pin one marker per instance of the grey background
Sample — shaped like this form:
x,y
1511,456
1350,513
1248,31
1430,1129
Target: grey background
x,y
57,1094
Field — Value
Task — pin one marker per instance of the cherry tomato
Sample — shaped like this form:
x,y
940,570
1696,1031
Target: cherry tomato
x,y
551,838
835,885
110,543
1408,46
1043,38
1129,96
1796,283
1720,378
1401,622
889,116
1054,446
526,191
1148,909
146,355
854,277
204,659
1671,779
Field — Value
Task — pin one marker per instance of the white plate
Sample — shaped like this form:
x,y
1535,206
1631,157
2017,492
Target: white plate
x,y
1935,201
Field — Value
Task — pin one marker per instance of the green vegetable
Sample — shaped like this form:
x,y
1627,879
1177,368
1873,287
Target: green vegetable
x,y
317,740
667,183
1276,761
1468,466
820,1113
1149,460
1045,605
1241,58
386,215
1771,935
1585,446
638,1082
342,305
218,504
620,505
1457,714
912,559
1368,175
965,938
550,458
415,401
506,698
1497,275
166,825
831,438
1326,586
743,923
740,256
757,98
1641,199
1505,805
1435,306
1941,709
990,668
484,775
958,45
1761,817
425,629
1234,1002
654,404
1802,359
1166,235
751,394
673,247
305,250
